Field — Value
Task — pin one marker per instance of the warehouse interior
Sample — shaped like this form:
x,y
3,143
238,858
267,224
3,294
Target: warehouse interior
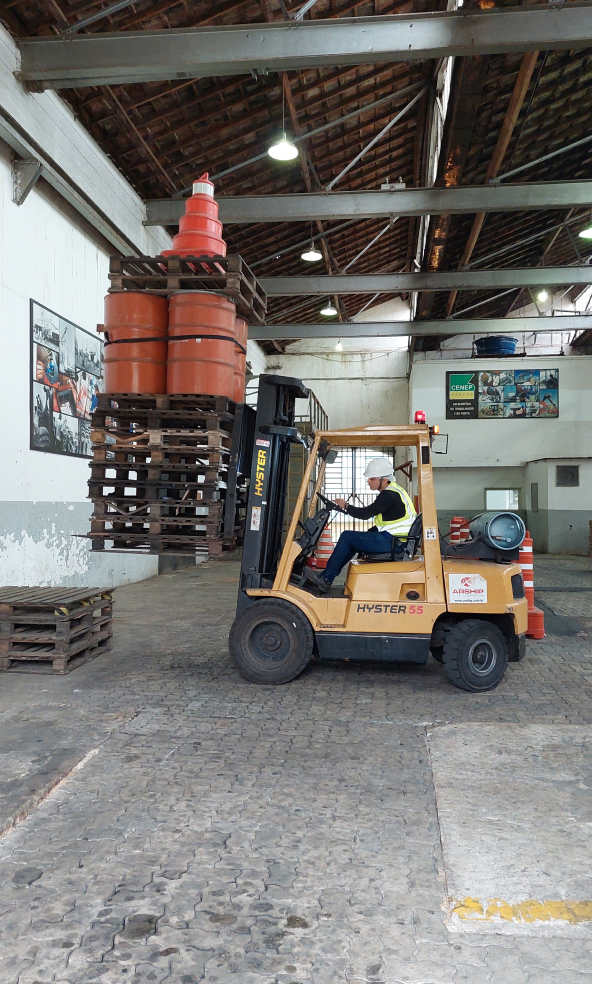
x,y
398,201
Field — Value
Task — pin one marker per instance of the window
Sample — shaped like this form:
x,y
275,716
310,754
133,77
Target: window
x,y
502,499
344,479
567,476
534,496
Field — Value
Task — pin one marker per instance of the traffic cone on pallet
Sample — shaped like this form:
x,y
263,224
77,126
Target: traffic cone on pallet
x,y
324,549
200,229
536,618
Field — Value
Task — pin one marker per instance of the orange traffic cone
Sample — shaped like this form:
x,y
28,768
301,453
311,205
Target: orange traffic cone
x,y
536,618
200,230
455,526
324,549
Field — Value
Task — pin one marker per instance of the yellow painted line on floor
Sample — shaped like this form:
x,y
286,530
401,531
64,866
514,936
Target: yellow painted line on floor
x,y
529,911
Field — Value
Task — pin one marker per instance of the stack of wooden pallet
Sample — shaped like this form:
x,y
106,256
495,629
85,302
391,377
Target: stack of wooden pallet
x,y
228,275
164,474
53,629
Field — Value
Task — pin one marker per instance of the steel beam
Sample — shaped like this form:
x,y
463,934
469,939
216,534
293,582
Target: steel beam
x,y
329,206
148,56
364,329
387,283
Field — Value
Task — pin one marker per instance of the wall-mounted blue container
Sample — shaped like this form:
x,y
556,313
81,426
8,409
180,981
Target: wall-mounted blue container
x,y
496,345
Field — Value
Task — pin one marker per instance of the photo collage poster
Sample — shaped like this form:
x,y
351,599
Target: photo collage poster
x,y
502,393
66,378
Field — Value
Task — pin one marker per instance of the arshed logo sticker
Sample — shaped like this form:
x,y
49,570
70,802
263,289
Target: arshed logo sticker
x,y
467,589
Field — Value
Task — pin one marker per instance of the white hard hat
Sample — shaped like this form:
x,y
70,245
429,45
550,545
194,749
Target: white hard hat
x,y
379,468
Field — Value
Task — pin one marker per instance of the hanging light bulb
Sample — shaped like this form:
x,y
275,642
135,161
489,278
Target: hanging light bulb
x,y
542,295
339,346
312,254
328,311
283,149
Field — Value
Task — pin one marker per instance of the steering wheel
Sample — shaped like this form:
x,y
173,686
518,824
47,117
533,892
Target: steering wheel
x,y
329,503
311,531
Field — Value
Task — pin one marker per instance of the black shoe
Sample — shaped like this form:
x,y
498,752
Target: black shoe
x,y
318,580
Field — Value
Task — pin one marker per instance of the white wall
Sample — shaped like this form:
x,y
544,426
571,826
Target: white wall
x,y
365,383
49,254
489,443
46,121
503,453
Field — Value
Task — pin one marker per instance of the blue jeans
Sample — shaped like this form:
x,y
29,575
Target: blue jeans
x,y
349,544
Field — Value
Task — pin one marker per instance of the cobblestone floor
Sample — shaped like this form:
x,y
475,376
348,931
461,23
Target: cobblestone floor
x,y
232,834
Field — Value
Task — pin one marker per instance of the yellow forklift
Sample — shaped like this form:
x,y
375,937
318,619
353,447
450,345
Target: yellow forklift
x,y
465,604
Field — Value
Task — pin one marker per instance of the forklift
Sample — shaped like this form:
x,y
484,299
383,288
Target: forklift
x,y
465,604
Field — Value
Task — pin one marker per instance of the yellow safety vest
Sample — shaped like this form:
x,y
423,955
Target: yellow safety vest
x,y
397,527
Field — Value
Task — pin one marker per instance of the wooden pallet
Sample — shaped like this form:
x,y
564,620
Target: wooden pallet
x,y
164,474
53,626
161,544
54,663
228,275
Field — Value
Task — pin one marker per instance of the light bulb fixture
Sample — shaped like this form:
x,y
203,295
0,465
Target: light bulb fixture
x,y
339,346
312,254
328,311
542,295
283,149
586,233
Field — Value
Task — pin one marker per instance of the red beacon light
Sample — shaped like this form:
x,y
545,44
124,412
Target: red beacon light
x,y
420,417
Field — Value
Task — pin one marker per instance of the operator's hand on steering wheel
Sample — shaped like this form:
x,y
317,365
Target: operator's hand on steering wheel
x,y
341,503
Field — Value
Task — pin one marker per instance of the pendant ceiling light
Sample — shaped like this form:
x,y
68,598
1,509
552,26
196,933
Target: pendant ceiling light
x,y
312,254
283,149
328,311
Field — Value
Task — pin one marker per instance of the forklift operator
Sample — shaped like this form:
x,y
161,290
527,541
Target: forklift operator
x,y
394,513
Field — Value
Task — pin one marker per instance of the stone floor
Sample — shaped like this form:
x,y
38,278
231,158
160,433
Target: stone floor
x,y
179,824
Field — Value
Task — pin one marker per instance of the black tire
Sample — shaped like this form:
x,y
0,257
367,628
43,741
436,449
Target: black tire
x,y
438,653
475,655
271,642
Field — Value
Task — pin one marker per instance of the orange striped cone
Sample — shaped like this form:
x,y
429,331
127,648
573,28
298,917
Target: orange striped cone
x,y
464,530
455,525
536,618
324,549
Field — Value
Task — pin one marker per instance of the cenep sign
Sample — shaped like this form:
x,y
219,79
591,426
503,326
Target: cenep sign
x,y
496,393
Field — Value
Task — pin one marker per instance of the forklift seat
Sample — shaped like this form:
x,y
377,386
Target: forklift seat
x,y
403,547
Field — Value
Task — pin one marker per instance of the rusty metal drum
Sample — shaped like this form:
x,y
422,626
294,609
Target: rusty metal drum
x,y
135,343
201,343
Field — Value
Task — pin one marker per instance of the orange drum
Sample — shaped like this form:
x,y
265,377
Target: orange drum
x,y
240,360
203,364
137,365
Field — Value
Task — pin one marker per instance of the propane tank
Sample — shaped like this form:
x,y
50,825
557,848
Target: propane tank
x,y
500,530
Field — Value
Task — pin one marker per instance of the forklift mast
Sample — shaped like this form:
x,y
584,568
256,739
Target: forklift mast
x,y
268,490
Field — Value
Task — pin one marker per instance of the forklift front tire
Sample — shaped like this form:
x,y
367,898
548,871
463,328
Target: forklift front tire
x,y
475,655
271,642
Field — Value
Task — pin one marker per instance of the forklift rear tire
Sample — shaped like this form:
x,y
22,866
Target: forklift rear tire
x,y
271,642
475,655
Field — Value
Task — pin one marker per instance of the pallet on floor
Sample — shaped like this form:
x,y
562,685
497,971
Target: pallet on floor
x,y
164,275
56,663
53,626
